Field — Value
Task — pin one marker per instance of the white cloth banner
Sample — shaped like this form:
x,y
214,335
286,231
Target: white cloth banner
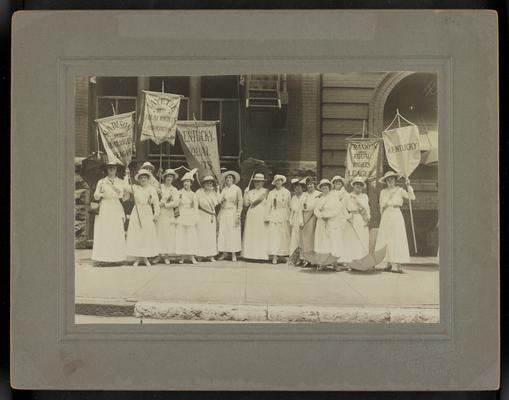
x,y
160,114
117,134
199,143
362,159
402,148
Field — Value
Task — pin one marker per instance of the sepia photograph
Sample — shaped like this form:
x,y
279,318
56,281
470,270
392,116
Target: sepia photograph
x,y
282,198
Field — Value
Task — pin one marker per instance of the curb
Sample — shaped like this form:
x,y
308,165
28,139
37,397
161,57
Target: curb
x,y
105,308
279,313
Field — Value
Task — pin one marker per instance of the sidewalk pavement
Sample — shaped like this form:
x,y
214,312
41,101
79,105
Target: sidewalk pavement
x,y
250,291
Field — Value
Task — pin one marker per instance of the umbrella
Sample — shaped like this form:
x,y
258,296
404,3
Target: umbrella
x,y
251,166
92,169
373,258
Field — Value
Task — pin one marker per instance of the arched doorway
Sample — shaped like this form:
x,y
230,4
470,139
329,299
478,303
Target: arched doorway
x,y
414,94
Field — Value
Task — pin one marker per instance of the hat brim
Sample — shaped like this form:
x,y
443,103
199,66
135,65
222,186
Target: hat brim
x,y
235,174
384,178
323,184
359,182
279,179
338,179
174,174
147,173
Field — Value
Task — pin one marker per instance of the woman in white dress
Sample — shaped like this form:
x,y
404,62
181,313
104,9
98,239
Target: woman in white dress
x,y
167,223
141,234
277,214
356,232
207,199
392,231
187,233
307,234
339,191
153,181
296,218
328,227
109,234
229,240
255,240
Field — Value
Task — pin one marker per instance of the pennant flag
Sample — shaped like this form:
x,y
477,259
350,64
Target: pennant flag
x,y
402,148
117,134
160,114
199,143
362,157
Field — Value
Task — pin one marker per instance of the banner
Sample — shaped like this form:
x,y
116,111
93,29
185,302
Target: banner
x,y
362,159
402,148
160,114
199,142
117,134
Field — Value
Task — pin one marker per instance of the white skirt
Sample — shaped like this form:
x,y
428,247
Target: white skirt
x,y
392,233
279,238
355,239
229,231
142,238
255,241
109,234
294,238
187,240
167,232
328,238
207,234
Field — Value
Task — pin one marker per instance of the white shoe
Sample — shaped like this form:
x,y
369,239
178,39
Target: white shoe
x,y
193,260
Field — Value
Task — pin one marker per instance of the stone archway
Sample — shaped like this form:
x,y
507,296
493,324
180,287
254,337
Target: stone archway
x,y
377,104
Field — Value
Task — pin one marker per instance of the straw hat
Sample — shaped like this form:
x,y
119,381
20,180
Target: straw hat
x,y
236,176
279,177
188,176
387,175
147,164
141,172
170,171
295,181
259,177
358,179
324,182
338,178
208,178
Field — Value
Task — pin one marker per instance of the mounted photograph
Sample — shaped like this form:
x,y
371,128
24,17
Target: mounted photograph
x,y
277,198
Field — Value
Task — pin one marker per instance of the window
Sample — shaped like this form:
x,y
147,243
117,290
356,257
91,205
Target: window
x,y
227,111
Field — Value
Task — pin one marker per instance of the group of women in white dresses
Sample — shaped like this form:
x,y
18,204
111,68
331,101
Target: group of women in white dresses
x,y
321,225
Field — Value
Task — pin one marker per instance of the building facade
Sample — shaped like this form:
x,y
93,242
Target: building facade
x,y
297,124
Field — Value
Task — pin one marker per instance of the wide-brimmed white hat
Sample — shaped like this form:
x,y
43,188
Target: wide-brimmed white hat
x,y
279,177
147,164
338,178
170,171
143,171
388,174
188,176
294,181
208,178
258,177
324,181
358,179
235,174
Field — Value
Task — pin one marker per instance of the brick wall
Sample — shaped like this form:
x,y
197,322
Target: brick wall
x,y
81,116
266,137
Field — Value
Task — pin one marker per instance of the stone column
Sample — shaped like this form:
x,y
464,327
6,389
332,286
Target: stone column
x,y
195,97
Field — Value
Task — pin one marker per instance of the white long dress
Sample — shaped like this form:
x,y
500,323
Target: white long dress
x,y
166,225
141,233
356,232
109,233
277,214
187,233
296,220
255,241
307,234
207,223
328,233
341,248
392,231
229,239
